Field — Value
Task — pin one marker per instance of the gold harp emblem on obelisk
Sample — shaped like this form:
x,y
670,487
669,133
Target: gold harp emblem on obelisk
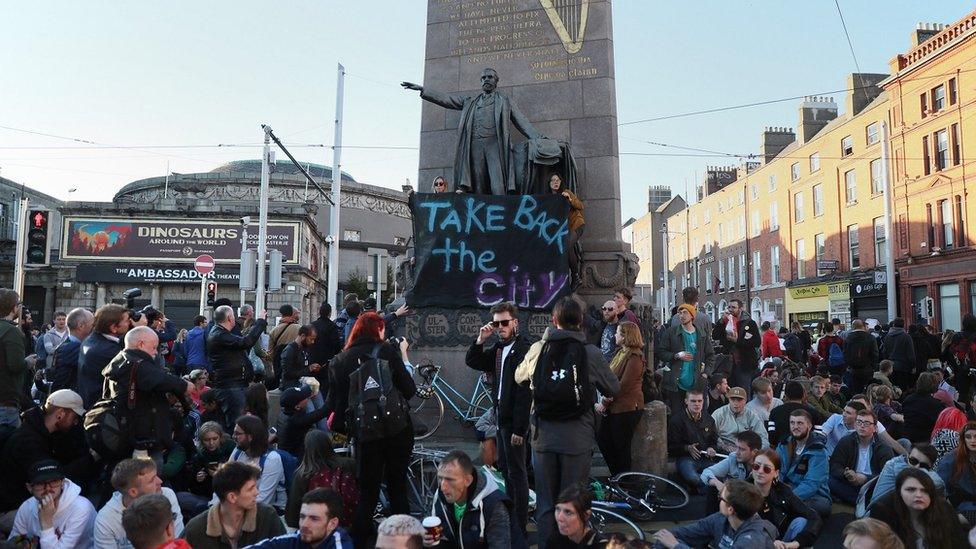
x,y
568,18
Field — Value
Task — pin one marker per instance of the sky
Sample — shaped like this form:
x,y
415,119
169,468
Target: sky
x,y
158,86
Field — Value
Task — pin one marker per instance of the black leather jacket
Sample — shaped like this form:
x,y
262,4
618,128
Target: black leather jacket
x,y
227,352
516,400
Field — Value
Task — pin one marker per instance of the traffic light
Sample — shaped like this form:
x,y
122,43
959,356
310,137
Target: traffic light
x,y
211,293
928,308
38,237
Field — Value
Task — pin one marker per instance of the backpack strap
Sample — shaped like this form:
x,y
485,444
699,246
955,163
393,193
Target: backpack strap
x,y
132,386
233,455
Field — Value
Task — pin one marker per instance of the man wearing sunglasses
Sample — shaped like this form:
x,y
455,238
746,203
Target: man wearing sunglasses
x,y
608,341
498,350
857,458
922,455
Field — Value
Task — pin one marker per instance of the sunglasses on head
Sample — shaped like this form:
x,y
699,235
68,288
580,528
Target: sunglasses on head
x,y
765,468
920,464
607,308
497,323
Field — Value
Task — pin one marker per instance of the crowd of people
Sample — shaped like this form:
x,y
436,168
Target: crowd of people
x,y
772,429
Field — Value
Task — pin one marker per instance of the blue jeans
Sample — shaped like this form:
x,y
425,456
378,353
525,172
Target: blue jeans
x,y
231,402
796,526
10,415
315,403
843,490
691,470
820,504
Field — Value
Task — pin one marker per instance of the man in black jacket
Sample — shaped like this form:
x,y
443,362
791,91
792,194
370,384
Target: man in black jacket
x,y
899,349
861,356
328,343
692,439
13,367
858,458
739,337
227,353
151,427
511,400
99,348
295,361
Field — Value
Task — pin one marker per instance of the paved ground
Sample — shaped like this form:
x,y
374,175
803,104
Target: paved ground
x,y
830,535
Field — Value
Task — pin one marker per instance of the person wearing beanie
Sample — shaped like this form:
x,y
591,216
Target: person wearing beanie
x,y
688,353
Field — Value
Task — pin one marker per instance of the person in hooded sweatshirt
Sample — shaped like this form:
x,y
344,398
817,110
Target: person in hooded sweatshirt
x,y
474,512
153,424
736,524
56,514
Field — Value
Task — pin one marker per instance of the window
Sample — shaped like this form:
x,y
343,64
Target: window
x,y
945,215
952,91
926,159
949,312
755,191
818,207
756,268
930,226
941,149
814,164
853,243
847,146
954,136
962,226
756,225
708,216
721,207
795,171
923,100
721,275
694,222
742,196
873,132
709,281
773,216
938,98
708,243
731,285
798,207
819,249
351,235
850,186
721,234
772,183
880,248
774,261
876,186
742,270
801,256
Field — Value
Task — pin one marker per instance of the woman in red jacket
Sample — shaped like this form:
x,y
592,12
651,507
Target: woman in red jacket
x,y
770,342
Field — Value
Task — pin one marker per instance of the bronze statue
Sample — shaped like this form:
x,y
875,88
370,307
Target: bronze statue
x,y
483,159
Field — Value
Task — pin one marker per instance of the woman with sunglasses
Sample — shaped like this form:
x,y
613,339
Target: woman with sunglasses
x,y
917,513
958,471
624,410
797,523
922,455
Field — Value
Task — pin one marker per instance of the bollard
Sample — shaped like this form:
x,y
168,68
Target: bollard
x,y
649,452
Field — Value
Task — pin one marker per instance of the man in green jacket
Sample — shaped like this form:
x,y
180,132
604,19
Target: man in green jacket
x,y
237,519
13,367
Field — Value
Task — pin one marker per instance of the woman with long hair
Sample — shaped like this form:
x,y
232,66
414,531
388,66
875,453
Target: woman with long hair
x,y
256,401
916,512
576,224
384,457
797,523
945,434
623,411
958,472
321,467
214,447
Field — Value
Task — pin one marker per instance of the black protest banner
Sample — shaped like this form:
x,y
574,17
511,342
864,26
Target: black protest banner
x,y
479,250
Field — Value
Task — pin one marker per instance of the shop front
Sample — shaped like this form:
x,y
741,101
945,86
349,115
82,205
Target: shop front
x,y
869,296
811,304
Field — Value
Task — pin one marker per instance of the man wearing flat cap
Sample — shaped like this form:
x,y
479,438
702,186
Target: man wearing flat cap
x,y
689,356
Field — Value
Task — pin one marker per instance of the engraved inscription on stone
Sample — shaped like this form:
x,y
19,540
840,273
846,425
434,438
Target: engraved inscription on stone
x,y
436,327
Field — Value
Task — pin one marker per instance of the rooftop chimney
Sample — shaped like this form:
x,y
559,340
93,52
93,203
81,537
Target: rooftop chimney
x,y
815,112
924,31
774,140
862,88
716,178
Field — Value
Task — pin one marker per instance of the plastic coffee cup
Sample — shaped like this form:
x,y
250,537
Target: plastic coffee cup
x,y
432,526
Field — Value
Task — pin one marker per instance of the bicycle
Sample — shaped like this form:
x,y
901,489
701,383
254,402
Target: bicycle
x,y
427,406
638,494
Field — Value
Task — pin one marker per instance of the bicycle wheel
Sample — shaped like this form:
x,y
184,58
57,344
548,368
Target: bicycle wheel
x,y
609,522
650,492
426,414
422,477
481,406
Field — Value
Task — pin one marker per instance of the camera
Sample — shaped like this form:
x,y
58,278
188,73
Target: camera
x,y
130,296
152,314
395,340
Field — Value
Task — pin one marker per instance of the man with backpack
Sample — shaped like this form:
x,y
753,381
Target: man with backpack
x,y
510,399
830,347
284,333
563,372
861,356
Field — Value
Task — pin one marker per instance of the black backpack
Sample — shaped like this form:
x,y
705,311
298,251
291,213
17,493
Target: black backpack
x,y
561,382
107,424
376,408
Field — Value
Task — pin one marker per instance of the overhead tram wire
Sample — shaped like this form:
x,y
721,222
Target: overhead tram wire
x,y
850,44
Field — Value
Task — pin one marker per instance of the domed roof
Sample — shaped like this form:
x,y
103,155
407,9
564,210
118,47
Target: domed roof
x,y
284,166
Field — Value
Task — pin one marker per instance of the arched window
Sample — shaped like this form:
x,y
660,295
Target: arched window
x,y
756,309
710,311
722,306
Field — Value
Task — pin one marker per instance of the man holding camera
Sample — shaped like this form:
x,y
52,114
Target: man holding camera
x,y
227,353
